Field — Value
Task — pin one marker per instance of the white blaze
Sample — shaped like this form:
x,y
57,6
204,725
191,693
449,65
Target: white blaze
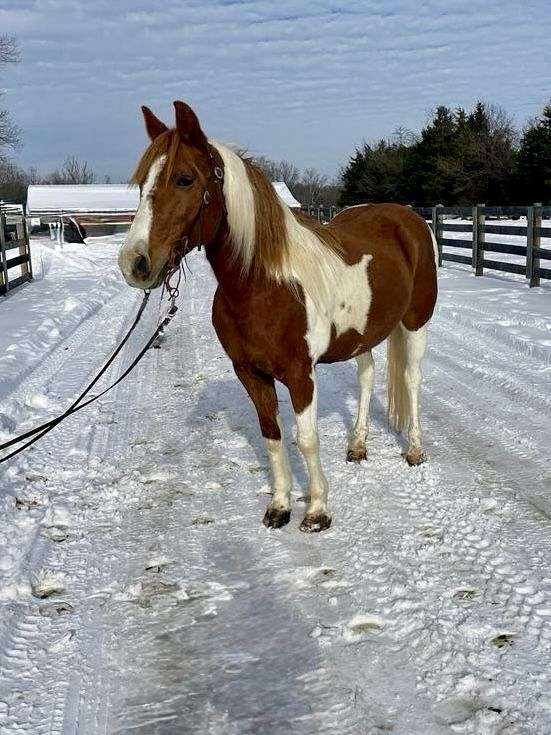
x,y
137,240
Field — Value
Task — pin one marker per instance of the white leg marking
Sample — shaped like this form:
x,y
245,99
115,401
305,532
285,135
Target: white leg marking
x,y
308,443
416,345
281,472
366,374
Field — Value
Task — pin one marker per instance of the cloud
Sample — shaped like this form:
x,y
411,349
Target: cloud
x,y
294,79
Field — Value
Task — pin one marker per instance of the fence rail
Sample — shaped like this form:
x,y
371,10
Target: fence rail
x,y
479,226
15,254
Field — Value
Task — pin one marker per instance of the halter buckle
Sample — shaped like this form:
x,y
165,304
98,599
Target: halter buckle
x,y
206,197
218,173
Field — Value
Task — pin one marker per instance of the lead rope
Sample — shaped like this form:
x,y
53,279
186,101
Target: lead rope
x,y
39,431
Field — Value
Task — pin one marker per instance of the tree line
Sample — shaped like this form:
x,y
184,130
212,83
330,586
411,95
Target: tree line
x,y
459,158
309,186
14,181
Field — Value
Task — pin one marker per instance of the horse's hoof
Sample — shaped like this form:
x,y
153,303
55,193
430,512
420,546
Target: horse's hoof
x,y
275,518
415,457
315,523
356,455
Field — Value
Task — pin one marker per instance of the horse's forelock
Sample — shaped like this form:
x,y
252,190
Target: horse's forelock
x,y
167,144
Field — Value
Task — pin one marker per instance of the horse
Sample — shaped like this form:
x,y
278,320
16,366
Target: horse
x,y
291,293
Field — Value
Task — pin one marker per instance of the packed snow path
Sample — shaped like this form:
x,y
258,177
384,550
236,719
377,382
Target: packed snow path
x,y
140,593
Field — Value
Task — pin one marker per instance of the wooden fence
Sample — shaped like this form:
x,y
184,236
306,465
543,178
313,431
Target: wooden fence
x,y
484,220
322,214
15,254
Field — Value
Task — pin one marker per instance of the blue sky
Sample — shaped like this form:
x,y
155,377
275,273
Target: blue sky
x,y
305,81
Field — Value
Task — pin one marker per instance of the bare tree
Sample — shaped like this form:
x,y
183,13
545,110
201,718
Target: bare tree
x,y
9,132
313,184
279,171
73,171
14,182
404,136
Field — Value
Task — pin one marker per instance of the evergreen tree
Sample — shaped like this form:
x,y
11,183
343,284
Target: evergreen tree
x,y
533,170
430,173
460,158
487,153
374,174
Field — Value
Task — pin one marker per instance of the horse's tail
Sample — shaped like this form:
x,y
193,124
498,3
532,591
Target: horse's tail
x,y
398,400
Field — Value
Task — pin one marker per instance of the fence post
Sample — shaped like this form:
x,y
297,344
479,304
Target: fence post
x,y
437,230
28,245
479,218
5,285
533,242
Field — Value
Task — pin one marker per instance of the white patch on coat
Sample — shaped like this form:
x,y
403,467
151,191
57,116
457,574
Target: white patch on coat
x,y
415,347
366,375
137,239
348,309
281,472
310,262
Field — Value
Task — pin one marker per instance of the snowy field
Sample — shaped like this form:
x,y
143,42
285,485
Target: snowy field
x,y
139,592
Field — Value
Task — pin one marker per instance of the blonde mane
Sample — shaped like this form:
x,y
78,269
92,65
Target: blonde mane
x,y
268,238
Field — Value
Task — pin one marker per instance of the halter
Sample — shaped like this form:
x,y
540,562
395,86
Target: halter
x,y
183,245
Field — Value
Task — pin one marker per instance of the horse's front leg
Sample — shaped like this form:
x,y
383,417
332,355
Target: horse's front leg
x,y
304,398
262,391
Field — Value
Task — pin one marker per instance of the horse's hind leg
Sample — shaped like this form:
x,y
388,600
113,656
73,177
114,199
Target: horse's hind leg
x,y
366,372
406,349
262,391
416,345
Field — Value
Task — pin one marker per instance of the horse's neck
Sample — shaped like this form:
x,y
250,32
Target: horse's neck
x,y
236,288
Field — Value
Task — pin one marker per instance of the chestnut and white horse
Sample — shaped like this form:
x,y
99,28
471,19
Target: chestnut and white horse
x,y
291,293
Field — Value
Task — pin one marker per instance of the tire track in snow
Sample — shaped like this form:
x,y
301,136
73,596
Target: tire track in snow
x,y
44,644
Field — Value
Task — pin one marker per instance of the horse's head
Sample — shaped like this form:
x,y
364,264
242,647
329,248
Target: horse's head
x,y
181,199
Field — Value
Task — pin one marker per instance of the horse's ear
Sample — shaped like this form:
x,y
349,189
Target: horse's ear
x,y
188,125
153,125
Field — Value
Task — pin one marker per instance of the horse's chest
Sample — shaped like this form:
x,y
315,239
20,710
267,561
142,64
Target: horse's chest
x,y
349,312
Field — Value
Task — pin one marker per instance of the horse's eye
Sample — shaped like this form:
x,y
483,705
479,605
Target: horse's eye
x,y
184,181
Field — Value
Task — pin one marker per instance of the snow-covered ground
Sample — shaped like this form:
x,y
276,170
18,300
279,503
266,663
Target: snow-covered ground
x,y
140,593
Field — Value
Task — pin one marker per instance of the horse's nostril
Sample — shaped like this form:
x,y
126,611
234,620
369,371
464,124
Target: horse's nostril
x,y
140,267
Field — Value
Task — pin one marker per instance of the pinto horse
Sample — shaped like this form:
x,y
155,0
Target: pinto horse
x,y
291,293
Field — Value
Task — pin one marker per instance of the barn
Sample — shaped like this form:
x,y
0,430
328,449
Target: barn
x,y
285,195
92,208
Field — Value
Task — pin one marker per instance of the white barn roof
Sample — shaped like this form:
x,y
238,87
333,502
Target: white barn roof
x,y
69,198
283,192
